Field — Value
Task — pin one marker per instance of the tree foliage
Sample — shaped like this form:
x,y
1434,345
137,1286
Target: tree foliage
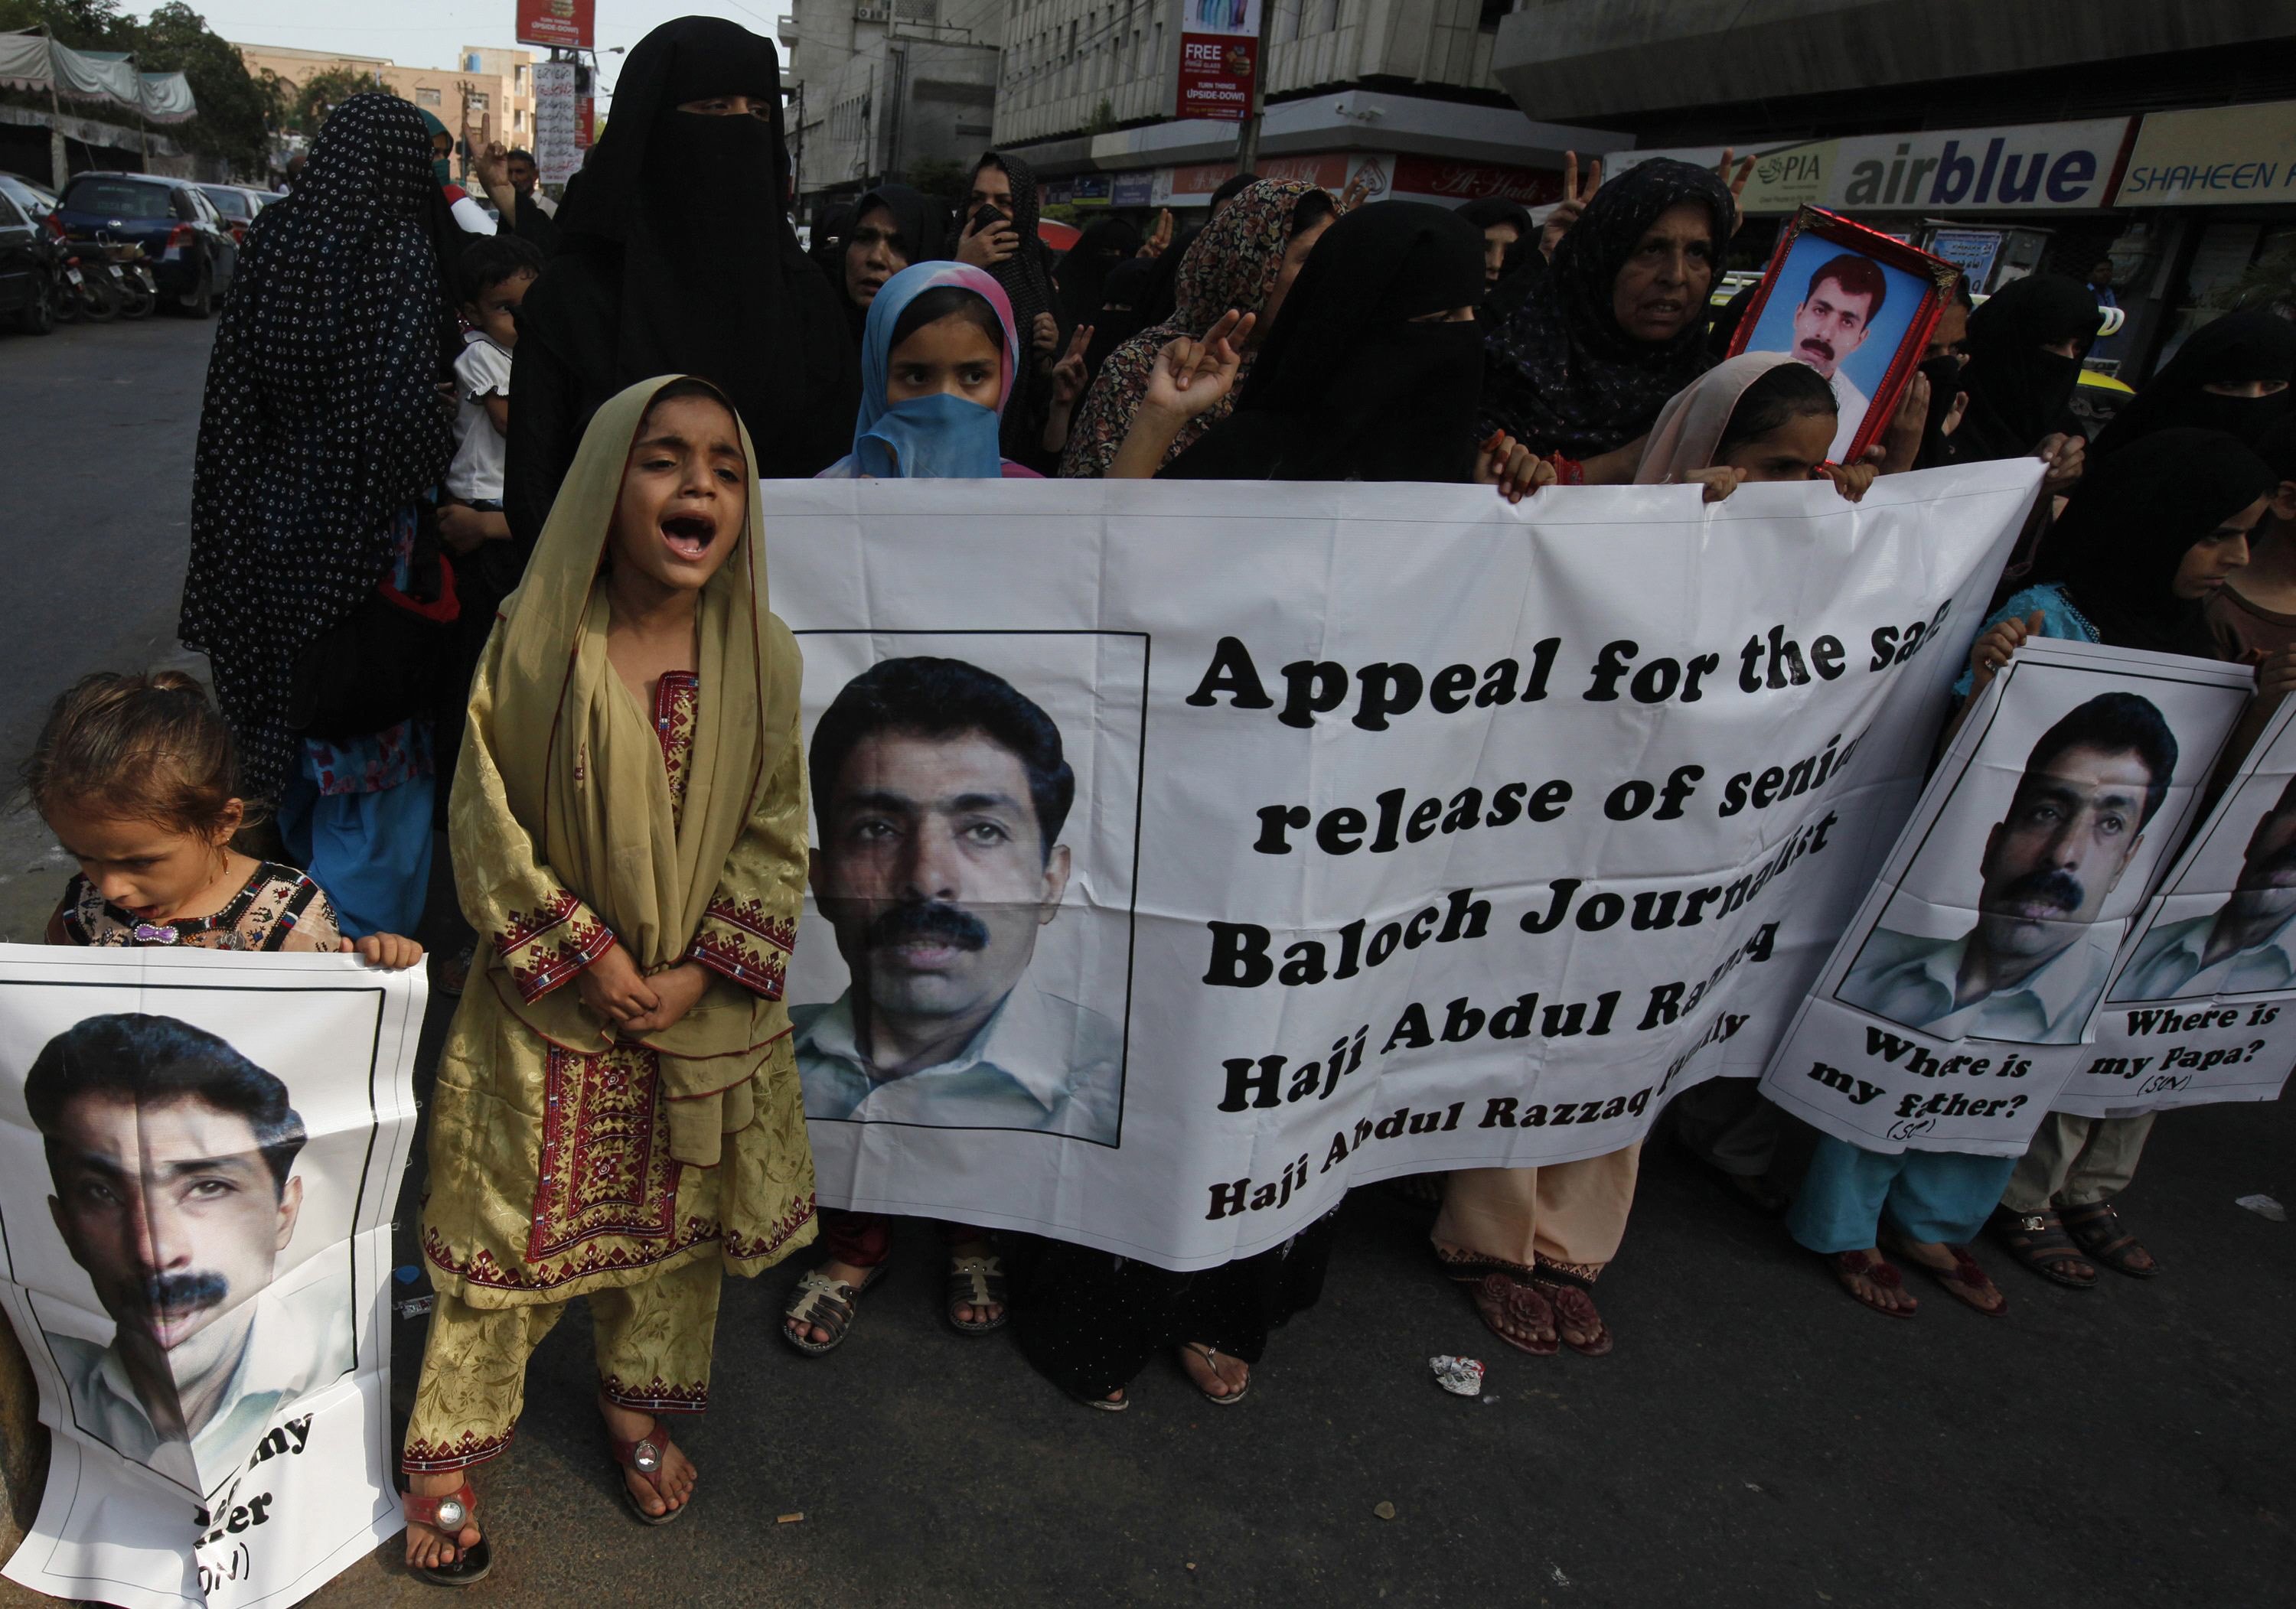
x,y
303,108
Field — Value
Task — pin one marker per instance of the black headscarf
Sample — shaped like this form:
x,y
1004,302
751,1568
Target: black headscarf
x,y
2018,394
1027,277
320,421
683,216
830,224
921,221
2131,520
2236,347
1561,375
1100,250
1118,319
1493,209
1347,387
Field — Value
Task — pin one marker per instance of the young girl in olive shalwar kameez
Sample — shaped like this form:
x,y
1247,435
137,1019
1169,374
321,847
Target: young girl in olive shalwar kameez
x,y
617,1114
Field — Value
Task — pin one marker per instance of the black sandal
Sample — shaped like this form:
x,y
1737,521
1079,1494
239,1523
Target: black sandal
x,y
976,1282
2107,1240
2038,1241
446,1514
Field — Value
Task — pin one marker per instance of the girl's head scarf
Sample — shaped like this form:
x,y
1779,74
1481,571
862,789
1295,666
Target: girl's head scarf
x,y
2238,348
687,210
948,437
2131,520
580,762
1561,375
1690,428
1349,385
321,419
1233,262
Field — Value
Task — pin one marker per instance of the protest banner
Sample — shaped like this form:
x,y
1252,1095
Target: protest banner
x,y
2202,1005
1952,1012
1188,853
199,1155
557,153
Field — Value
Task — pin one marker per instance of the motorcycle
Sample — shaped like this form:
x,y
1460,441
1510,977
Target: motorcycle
x,y
136,287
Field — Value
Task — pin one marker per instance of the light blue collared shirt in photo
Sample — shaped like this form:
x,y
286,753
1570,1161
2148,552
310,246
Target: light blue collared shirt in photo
x,y
1913,981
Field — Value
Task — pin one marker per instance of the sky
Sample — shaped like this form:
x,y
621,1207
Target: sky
x,y
427,33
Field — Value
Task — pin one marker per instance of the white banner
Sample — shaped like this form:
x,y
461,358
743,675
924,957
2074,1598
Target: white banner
x,y
199,1155
556,151
1389,828
2202,1006
1990,935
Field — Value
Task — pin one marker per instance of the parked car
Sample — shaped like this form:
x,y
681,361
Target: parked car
x,y
25,280
34,197
190,249
238,204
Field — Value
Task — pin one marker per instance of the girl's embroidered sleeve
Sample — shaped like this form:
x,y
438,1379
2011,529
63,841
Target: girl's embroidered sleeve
x,y
544,933
750,927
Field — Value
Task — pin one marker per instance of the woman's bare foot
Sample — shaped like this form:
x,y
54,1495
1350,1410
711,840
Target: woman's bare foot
x,y
1216,1373
1873,1281
428,1547
676,1476
844,1273
972,1313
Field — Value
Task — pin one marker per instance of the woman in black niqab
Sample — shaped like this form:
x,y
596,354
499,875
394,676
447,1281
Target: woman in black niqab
x,y
2115,551
1028,282
2235,354
1100,250
1353,382
2020,389
679,258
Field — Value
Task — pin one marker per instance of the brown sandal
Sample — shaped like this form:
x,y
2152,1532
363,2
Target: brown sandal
x,y
2107,1240
1516,1314
817,1301
1966,1282
446,1514
2038,1240
1853,1267
1574,1309
647,1454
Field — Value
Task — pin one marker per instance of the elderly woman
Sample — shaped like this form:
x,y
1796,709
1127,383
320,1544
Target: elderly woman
x,y
1616,324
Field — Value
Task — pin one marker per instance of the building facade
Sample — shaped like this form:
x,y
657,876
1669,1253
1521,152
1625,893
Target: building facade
x,y
2049,136
881,89
1401,94
488,92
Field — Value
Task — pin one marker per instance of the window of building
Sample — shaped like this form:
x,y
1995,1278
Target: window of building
x,y
426,97
478,101
522,83
1493,10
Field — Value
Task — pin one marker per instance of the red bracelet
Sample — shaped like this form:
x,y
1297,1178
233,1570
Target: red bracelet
x,y
1568,471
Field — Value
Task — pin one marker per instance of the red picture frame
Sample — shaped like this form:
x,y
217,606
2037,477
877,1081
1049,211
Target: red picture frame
x,y
1934,275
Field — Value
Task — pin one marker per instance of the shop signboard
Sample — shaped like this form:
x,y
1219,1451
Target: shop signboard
x,y
560,24
1220,58
2213,156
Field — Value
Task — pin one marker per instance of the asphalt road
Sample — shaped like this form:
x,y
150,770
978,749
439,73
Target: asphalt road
x,y
95,496
1757,1439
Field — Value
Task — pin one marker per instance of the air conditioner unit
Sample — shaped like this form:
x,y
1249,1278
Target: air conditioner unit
x,y
871,14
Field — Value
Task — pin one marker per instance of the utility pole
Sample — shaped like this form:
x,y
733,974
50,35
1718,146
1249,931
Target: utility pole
x,y
1247,143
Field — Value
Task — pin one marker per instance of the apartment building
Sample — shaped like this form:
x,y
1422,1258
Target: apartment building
x,y
1401,92
489,90
878,86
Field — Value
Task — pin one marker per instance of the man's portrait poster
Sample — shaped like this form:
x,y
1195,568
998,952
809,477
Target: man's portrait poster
x,y
966,955
1852,305
2006,920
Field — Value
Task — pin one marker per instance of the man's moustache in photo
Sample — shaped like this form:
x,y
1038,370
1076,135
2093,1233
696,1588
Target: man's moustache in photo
x,y
928,920
2058,887
1819,347
176,1294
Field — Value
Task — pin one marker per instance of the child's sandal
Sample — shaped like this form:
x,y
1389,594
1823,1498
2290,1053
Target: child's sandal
x,y
446,1514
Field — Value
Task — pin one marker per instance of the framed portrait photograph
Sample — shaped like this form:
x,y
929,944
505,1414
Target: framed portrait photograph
x,y
1853,303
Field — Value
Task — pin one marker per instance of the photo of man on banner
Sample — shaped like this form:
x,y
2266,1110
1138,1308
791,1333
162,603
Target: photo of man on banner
x,y
172,1158
2246,945
2031,967
941,792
